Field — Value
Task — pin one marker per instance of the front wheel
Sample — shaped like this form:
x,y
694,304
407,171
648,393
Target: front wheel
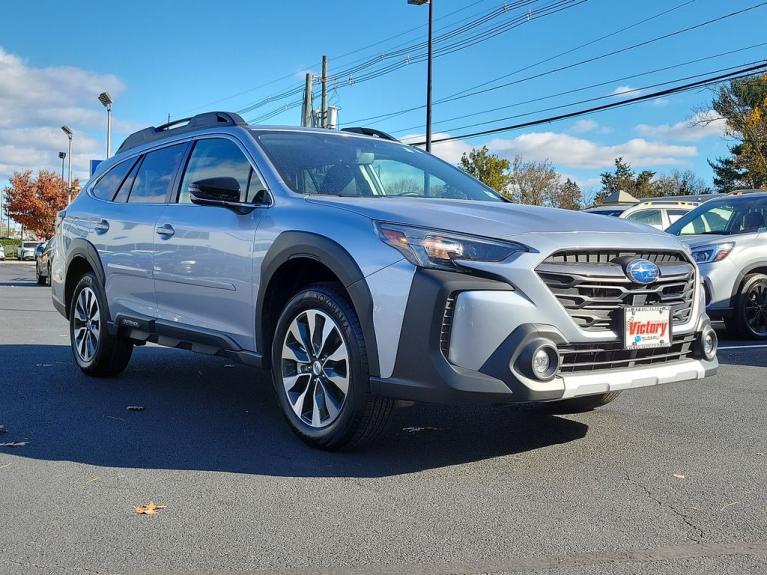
x,y
320,372
40,279
751,310
96,351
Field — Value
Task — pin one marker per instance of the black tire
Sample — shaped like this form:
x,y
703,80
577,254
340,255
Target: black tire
x,y
361,417
105,355
581,404
750,321
40,279
48,277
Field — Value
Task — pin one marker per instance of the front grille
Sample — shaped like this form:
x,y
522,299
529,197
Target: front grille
x,y
593,288
447,324
588,357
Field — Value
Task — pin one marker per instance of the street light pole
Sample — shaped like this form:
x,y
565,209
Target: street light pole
x,y
62,155
428,68
68,132
106,101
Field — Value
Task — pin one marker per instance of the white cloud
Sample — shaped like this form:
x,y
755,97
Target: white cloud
x,y
566,150
689,130
660,102
583,126
35,102
626,92
448,151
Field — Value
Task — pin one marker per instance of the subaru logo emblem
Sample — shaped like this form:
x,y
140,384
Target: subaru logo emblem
x,y
642,271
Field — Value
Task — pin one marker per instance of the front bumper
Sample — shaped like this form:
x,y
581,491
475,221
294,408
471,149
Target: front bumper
x,y
462,336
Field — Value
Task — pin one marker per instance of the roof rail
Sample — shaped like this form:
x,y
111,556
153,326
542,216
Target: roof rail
x,y
370,132
206,120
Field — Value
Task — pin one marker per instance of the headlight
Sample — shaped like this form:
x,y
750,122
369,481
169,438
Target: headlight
x,y
712,253
443,250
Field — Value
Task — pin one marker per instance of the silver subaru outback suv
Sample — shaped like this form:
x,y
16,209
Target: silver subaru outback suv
x,y
362,271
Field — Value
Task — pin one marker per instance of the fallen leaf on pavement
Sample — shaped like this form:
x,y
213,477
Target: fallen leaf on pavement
x,y
679,476
148,509
229,365
14,444
135,408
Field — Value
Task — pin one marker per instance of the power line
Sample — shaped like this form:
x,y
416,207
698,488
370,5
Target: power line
x,y
742,73
346,77
604,97
583,88
466,94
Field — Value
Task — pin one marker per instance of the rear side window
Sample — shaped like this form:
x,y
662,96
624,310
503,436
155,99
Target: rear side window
x,y
648,217
155,177
107,186
219,158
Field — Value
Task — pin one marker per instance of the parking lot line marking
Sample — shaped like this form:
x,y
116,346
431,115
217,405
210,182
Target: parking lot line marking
x,y
731,347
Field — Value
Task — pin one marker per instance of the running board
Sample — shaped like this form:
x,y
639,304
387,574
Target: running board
x,y
144,329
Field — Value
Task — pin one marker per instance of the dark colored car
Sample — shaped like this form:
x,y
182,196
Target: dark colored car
x,y
43,262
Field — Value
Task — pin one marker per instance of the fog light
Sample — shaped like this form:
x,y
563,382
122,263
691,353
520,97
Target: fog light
x,y
541,362
708,342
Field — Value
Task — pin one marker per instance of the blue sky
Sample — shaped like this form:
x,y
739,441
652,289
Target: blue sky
x,y
161,57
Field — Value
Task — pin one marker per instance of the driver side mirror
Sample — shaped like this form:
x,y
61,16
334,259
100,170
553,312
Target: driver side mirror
x,y
223,191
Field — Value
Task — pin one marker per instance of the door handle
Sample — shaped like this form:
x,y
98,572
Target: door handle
x,y
165,231
101,227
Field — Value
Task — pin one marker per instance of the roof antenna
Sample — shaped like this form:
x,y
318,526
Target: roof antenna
x,y
169,117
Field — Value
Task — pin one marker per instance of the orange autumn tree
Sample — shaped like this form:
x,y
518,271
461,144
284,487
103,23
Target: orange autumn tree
x,y
34,202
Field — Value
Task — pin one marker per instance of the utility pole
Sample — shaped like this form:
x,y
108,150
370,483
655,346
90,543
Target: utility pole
x,y
428,82
306,119
324,112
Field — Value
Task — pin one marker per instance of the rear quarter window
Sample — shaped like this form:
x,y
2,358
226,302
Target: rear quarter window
x,y
107,186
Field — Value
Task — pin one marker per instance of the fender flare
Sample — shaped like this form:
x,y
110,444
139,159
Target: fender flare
x,y
81,248
739,280
293,244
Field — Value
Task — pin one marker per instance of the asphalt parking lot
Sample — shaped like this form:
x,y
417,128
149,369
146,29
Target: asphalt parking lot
x,y
671,479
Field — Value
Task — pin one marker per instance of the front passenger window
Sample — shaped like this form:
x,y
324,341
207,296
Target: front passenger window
x,y
220,158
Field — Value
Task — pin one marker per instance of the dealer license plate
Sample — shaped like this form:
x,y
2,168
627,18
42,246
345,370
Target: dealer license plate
x,y
646,327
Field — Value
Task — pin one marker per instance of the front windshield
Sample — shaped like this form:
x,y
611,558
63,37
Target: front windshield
x,y
338,165
732,215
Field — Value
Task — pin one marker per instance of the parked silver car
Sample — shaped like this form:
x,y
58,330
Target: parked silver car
x,y
728,239
362,271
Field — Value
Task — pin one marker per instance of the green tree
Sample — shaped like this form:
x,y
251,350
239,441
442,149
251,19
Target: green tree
x,y
568,196
625,179
743,105
490,169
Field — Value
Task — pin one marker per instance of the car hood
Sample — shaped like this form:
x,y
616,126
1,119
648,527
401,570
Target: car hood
x,y
704,239
489,219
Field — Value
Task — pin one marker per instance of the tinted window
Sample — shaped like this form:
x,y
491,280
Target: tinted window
x,y
674,215
107,187
731,216
155,176
334,164
219,158
122,193
647,217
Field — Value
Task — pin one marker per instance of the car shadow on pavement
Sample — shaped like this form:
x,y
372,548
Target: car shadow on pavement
x,y
204,413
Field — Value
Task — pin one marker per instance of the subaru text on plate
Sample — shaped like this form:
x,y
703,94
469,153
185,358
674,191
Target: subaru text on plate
x,y
362,271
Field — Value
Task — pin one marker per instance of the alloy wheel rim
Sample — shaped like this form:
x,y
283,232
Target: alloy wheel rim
x,y
315,368
87,324
756,308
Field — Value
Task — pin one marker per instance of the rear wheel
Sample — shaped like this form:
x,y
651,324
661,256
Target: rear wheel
x,y
96,351
581,404
320,372
751,308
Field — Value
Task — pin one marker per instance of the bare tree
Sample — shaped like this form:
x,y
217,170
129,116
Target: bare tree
x,y
534,183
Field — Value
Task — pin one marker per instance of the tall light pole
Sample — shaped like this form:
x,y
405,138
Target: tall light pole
x,y
106,101
68,132
428,70
62,155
